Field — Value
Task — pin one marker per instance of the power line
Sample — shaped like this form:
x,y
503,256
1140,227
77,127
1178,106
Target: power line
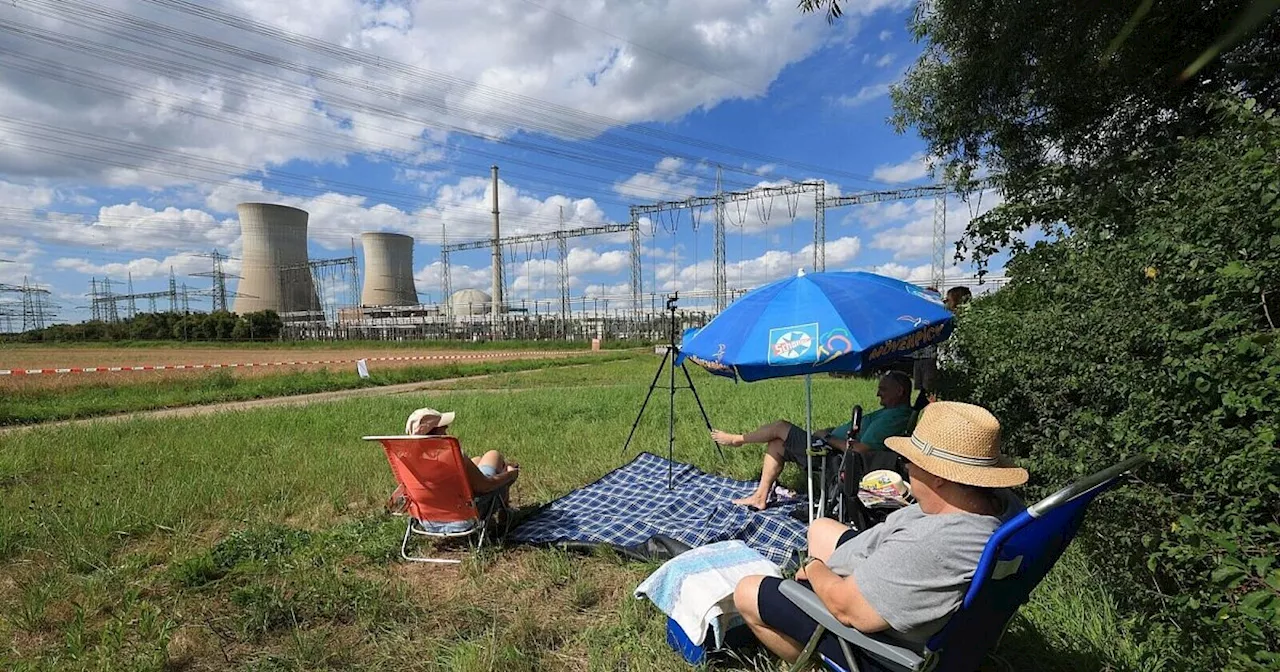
x,y
524,111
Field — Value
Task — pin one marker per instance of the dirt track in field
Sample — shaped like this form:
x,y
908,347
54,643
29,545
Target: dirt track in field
x,y
51,358
296,400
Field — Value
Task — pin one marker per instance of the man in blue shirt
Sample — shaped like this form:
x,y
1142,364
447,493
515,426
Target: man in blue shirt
x,y
785,441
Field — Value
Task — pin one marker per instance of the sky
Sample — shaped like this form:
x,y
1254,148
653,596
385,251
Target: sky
x,y
132,128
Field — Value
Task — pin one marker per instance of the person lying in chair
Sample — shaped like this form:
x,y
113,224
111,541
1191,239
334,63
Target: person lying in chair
x,y
785,441
908,574
485,473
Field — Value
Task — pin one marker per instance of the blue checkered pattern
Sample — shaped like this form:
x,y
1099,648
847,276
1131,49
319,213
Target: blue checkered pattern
x,y
632,503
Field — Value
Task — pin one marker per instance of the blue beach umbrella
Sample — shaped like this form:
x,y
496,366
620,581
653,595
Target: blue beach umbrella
x,y
818,323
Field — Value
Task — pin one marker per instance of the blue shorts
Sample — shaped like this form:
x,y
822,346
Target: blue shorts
x,y
488,470
784,616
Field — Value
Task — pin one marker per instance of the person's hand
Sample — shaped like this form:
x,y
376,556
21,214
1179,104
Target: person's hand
x,y
803,573
822,433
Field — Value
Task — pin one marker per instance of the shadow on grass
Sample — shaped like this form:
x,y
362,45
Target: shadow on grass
x,y
1025,647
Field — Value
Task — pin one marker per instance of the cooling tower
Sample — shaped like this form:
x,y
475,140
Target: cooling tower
x,y
274,270
388,270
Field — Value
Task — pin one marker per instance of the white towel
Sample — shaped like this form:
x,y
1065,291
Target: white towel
x,y
695,588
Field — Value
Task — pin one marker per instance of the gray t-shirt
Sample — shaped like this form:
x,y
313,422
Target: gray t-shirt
x,y
914,568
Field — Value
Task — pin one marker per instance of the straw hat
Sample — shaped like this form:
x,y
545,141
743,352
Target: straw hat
x,y
423,420
961,443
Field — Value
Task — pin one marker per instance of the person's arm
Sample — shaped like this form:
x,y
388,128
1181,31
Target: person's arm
x,y
481,484
877,427
842,597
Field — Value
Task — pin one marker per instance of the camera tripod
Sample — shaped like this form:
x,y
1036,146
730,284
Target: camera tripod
x,y
673,356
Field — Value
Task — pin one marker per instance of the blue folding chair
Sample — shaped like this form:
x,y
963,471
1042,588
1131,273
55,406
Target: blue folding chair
x,y
1019,554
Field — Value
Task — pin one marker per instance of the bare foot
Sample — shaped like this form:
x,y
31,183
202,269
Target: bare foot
x,y
727,439
754,501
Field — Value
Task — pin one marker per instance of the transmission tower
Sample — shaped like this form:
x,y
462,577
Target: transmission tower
x,y
528,238
217,292
562,245
35,306
132,303
173,292
721,277
939,267
446,283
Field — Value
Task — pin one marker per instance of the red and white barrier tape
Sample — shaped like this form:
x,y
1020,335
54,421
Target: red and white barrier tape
x,y
182,367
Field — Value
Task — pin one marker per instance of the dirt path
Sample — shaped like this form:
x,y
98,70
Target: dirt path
x,y
297,400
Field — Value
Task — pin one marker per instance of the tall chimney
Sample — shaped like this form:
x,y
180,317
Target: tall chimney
x,y
496,288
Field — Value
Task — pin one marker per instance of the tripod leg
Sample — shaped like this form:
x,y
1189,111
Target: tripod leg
x,y
662,365
706,419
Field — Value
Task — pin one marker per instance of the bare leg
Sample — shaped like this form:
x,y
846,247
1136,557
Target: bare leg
x,y
823,535
492,459
766,433
773,456
745,598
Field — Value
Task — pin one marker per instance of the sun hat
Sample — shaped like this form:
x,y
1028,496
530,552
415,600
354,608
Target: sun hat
x,y
961,443
423,420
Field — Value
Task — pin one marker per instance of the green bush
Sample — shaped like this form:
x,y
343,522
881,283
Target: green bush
x,y
1152,328
263,325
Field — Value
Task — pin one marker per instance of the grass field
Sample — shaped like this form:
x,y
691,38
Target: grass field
x,y
256,540
27,404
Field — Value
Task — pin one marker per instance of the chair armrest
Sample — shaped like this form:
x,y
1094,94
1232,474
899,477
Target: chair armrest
x,y
811,604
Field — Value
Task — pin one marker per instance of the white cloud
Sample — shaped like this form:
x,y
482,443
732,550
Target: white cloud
x,y
463,208
886,35
461,276
414,71
183,265
914,239
126,227
24,198
864,95
885,61
666,182
912,169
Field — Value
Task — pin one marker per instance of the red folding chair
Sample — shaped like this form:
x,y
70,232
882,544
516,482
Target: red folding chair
x,y
432,478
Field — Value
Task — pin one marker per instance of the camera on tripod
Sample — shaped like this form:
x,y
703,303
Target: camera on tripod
x,y
672,299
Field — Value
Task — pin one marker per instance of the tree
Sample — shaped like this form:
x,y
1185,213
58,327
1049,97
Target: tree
x,y
1141,138
1044,94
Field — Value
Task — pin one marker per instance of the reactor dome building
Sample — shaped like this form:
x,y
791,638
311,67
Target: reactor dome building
x,y
469,302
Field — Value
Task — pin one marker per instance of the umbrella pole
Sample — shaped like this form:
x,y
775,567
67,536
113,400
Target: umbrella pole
x,y
808,431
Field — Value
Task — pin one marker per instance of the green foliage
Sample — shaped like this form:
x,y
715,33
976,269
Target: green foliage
x,y
263,325
1153,328
1054,98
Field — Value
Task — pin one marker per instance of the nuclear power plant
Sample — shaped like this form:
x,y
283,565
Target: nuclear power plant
x,y
276,269
388,270
331,299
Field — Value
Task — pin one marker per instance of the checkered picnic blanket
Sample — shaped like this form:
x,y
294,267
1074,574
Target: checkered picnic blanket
x,y
632,503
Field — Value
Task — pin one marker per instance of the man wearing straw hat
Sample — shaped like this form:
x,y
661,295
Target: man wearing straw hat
x,y
907,575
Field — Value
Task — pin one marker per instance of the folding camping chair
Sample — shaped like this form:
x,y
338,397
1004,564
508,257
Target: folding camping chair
x,y
1016,558
441,505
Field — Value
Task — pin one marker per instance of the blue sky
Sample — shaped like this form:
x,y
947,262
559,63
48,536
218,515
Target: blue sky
x,y
132,162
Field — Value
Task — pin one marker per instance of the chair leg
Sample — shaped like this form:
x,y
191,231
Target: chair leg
x,y
404,545
809,648
848,656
